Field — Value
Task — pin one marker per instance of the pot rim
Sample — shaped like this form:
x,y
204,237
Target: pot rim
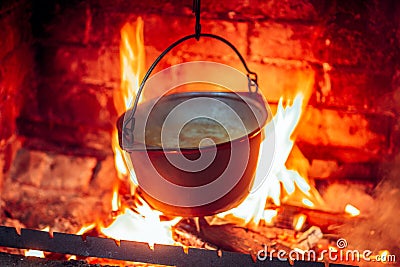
x,y
255,99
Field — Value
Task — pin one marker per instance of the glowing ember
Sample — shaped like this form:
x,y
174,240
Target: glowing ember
x,y
383,253
299,222
34,253
385,257
353,211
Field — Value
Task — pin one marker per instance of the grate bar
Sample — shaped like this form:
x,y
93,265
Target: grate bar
x,y
131,251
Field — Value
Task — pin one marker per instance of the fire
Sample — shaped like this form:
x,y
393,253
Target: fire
x,y
132,57
140,223
115,202
307,202
299,222
383,253
269,216
294,185
34,253
118,158
353,211
385,257
84,229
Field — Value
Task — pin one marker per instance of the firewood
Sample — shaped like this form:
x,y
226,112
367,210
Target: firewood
x,y
230,237
326,220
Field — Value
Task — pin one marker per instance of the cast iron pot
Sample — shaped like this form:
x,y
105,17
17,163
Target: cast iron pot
x,y
239,155
222,184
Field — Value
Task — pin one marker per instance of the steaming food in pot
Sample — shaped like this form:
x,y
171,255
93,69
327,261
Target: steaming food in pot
x,y
173,123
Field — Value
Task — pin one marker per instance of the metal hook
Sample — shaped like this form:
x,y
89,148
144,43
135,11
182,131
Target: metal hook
x,y
196,11
252,82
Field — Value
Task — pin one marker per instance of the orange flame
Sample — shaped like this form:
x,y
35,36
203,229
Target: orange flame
x,y
132,56
385,257
119,160
269,216
115,202
84,229
299,222
143,225
140,223
132,223
307,202
252,209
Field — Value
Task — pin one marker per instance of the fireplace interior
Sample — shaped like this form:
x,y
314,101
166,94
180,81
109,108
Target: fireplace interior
x,y
60,73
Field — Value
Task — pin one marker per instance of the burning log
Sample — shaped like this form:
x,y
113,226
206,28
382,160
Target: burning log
x,y
326,220
231,237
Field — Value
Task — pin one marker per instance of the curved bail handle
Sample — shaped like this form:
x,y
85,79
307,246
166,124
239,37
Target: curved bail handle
x,y
128,124
196,11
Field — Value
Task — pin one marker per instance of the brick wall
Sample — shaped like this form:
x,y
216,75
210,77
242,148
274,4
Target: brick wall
x,y
16,74
285,42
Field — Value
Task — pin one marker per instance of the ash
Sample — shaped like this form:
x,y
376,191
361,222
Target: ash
x,y
380,231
